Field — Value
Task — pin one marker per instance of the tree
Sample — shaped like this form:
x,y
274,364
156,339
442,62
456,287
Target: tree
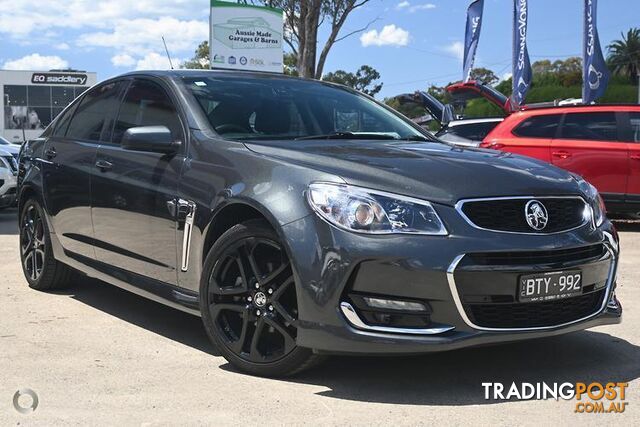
x,y
409,109
363,80
290,64
624,55
484,76
201,58
303,19
542,67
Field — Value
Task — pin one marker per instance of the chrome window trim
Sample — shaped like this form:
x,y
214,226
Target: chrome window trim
x,y
352,317
458,302
461,203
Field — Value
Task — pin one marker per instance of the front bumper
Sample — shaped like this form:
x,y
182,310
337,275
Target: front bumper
x,y
332,264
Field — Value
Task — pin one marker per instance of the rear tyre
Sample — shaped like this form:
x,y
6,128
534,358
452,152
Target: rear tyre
x,y
249,305
42,271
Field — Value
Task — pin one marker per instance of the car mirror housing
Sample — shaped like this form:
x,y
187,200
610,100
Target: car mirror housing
x,y
156,139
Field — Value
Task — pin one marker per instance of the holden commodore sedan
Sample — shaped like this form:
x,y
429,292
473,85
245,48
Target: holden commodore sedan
x,y
301,219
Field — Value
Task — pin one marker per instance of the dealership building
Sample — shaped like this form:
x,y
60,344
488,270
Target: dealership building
x,y
32,99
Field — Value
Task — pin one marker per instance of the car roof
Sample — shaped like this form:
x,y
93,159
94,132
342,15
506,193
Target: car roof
x,y
181,73
577,108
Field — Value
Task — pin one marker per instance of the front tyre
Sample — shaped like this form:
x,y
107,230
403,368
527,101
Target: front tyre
x,y
42,271
248,302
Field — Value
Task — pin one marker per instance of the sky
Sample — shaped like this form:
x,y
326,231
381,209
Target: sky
x,y
412,43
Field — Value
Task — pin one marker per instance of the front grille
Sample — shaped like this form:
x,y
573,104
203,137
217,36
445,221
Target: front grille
x,y
509,214
532,315
584,254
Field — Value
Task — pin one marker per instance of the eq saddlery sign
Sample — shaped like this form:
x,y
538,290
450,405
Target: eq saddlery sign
x,y
246,37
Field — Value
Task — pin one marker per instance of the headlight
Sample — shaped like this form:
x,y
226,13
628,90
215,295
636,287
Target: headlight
x,y
598,208
374,212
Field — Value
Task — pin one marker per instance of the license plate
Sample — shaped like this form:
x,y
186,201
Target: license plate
x,y
550,286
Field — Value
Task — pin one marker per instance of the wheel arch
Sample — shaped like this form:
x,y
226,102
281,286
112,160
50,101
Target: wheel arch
x,y
27,192
235,212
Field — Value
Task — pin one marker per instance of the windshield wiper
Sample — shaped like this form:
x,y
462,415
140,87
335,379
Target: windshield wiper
x,y
418,138
349,135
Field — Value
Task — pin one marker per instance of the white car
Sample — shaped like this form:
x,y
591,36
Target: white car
x,y
468,132
9,147
455,129
8,178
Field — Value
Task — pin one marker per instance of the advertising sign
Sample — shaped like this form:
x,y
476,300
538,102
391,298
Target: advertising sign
x,y
472,35
246,37
595,73
522,73
58,79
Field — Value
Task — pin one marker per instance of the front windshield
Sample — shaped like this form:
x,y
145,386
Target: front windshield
x,y
275,108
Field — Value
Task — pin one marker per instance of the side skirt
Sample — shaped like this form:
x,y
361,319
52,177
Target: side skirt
x,y
164,293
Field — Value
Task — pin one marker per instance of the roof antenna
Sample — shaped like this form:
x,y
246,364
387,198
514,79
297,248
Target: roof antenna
x,y
167,50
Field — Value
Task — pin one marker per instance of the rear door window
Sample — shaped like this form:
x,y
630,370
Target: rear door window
x,y
590,127
539,127
93,112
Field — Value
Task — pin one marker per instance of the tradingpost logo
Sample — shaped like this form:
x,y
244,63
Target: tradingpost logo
x,y
591,398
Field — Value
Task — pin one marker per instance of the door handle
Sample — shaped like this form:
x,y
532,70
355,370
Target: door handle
x,y
561,154
50,153
104,165
634,156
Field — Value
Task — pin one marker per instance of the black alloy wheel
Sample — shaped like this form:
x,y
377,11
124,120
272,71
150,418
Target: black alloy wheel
x,y
32,243
41,269
249,303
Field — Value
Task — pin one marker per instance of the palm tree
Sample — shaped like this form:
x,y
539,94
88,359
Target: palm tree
x,y
624,55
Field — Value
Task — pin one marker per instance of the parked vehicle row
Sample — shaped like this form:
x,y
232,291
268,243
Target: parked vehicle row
x,y
8,173
300,218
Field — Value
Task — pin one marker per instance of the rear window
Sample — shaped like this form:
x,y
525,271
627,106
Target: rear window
x,y
538,126
590,126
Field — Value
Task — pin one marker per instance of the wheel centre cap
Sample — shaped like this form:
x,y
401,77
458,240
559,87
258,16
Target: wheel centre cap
x,y
260,299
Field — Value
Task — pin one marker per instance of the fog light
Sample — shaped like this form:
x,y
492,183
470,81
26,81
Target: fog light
x,y
389,304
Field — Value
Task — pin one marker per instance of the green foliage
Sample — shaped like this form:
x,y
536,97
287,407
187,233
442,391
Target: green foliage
x,y
624,55
409,109
484,75
364,80
200,60
290,64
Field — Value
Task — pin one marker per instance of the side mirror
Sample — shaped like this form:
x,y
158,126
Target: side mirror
x,y
156,139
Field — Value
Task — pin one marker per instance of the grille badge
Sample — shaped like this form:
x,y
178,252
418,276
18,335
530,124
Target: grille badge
x,y
536,215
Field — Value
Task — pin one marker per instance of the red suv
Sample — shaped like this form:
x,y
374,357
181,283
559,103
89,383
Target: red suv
x,y
600,143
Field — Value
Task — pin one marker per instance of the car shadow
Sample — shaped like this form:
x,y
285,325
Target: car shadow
x,y
455,378
9,221
448,379
142,312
